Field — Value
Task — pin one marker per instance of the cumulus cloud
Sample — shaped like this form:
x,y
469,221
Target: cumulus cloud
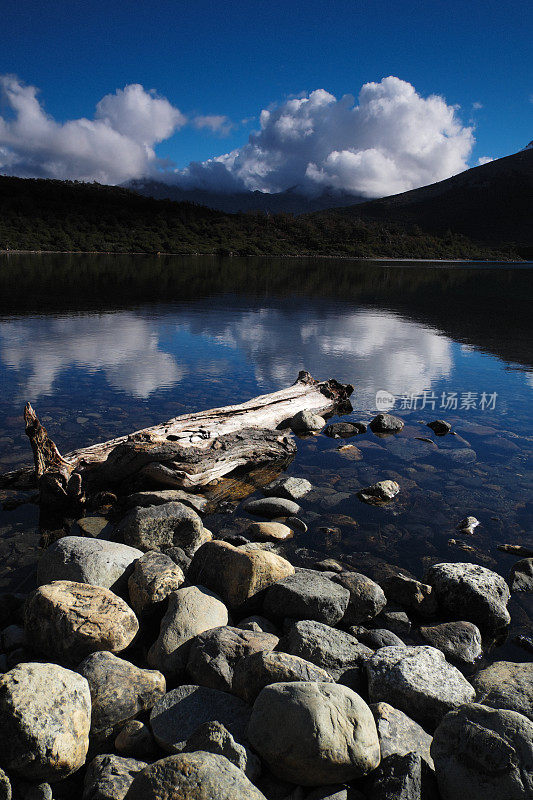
x,y
117,144
391,140
484,160
216,123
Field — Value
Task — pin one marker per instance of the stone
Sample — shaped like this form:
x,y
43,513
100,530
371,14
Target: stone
x,y
410,593
339,653
254,672
313,733
109,777
403,777
119,690
162,496
93,561
180,712
334,792
306,421
440,427
12,637
191,610
380,492
482,753
467,525
376,638
386,423
159,527
5,786
275,531
32,791
45,717
212,737
520,577
307,594
328,565
394,619
154,577
66,621
294,523
417,680
344,430
366,597
291,488
234,574
505,684
258,623
214,654
193,776
271,507
399,734
93,525
135,740
459,641
471,592
179,557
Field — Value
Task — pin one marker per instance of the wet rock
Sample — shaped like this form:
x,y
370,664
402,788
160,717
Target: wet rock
x,y
274,531
467,525
366,597
191,610
93,561
314,733
258,670
403,777
399,734
380,492
482,753
180,712
339,653
307,594
393,619
193,776
440,427
159,527
109,777
163,496
328,565
520,577
408,592
234,574
417,680
136,741
45,716
214,654
154,577
471,592
271,507
506,685
294,523
258,623
290,488
119,690
386,423
5,786
212,737
344,430
305,421
379,637
67,621
459,641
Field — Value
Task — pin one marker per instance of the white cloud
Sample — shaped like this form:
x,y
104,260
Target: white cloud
x,y
390,141
484,160
216,123
477,106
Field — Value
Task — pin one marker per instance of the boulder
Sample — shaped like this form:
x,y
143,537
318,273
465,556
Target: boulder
x,y
314,733
334,792
154,577
258,624
5,786
271,507
66,621
162,496
212,737
193,776
482,753
399,734
236,575
366,597
308,594
273,531
403,777
520,578
380,492
291,488
45,717
254,672
417,680
379,637
94,561
136,741
109,777
410,593
393,618
93,525
472,592
191,610
119,690
180,712
306,421
214,654
159,527
459,641
506,685
344,430
386,423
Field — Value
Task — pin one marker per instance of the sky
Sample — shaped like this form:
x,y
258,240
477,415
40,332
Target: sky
x,y
370,97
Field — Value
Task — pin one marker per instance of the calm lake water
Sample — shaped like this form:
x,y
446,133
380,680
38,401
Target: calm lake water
x,y
103,345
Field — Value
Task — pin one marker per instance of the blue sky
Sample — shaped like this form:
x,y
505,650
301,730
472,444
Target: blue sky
x,y
235,58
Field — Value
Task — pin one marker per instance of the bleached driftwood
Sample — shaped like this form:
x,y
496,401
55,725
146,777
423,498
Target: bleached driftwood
x,y
186,452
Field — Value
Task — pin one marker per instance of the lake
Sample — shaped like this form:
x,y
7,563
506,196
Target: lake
x,y
104,345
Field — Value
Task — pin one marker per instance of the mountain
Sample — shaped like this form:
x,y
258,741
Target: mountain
x,y
491,204
291,201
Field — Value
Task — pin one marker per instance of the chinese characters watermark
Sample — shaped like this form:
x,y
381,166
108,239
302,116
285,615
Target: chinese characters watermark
x,y
446,401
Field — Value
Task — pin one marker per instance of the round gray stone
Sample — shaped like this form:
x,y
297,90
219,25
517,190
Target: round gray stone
x,y
506,685
271,507
94,561
159,527
258,670
308,594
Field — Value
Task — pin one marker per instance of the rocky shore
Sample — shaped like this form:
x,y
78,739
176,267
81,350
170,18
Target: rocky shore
x,y
159,660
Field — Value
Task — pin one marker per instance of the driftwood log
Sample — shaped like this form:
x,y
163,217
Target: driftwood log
x,y
187,452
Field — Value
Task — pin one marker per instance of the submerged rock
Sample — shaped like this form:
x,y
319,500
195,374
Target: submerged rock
x,y
440,427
